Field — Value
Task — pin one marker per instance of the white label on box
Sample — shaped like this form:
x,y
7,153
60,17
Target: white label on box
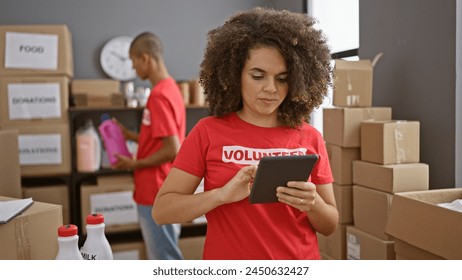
x,y
34,101
40,149
118,208
31,51
353,247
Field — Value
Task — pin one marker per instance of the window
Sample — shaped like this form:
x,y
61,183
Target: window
x,y
339,20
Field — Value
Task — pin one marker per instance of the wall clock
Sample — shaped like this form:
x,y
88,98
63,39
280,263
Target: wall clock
x,y
115,61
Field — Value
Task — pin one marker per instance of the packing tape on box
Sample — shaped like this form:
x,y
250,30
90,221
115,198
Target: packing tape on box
x,y
22,238
399,132
368,114
352,99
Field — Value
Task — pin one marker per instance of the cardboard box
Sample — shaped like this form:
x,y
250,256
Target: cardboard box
x,y
33,234
131,250
407,251
342,126
36,50
391,178
353,83
57,194
363,246
344,199
33,100
371,210
97,93
44,150
113,197
10,176
336,243
192,247
415,218
390,142
341,161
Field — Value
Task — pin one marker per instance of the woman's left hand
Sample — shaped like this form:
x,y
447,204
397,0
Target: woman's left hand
x,y
301,195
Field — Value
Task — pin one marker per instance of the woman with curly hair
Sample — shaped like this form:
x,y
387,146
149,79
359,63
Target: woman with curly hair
x,y
263,73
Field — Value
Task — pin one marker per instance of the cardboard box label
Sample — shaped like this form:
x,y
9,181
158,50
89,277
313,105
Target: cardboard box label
x,y
117,207
31,50
353,247
34,100
38,149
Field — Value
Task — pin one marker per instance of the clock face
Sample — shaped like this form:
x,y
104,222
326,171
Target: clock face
x,y
115,61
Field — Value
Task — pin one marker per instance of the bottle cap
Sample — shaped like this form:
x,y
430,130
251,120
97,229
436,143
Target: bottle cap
x,y
67,230
94,219
105,117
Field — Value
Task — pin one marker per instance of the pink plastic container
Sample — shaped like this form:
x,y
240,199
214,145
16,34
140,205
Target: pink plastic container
x,y
113,140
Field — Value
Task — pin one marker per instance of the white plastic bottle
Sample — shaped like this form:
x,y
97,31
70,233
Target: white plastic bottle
x,y
88,148
96,246
68,243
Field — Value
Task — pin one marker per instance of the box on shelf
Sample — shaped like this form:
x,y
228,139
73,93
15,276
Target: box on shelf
x,y
113,197
391,178
10,175
342,126
32,235
341,160
97,93
36,50
363,246
344,200
56,194
407,251
390,142
44,150
32,100
371,209
353,83
192,247
417,219
335,244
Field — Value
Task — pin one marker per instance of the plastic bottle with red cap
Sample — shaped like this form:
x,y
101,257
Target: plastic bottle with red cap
x,y
68,243
96,246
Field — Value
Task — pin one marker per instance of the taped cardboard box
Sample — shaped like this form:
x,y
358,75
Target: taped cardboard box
x,y
10,176
342,126
390,142
341,161
407,251
336,243
112,196
344,199
371,209
391,178
353,83
56,194
44,150
415,218
36,50
34,100
363,246
33,234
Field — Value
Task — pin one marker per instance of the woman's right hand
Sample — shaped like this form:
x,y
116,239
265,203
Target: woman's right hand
x,y
238,187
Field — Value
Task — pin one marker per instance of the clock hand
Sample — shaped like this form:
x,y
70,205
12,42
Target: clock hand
x,y
123,58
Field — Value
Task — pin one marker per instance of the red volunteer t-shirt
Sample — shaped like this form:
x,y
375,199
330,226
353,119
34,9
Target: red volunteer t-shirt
x,y
164,115
216,149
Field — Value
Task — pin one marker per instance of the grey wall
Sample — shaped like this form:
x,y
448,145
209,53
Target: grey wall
x,y
416,75
181,24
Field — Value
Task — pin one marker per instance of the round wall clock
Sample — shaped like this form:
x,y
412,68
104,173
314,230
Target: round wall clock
x,y
115,61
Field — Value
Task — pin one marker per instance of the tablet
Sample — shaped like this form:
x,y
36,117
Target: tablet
x,y
276,171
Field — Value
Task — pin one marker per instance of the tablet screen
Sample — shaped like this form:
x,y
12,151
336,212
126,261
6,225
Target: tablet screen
x,y
276,171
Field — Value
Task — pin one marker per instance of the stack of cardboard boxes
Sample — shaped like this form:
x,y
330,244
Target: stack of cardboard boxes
x,y
389,164
36,66
352,100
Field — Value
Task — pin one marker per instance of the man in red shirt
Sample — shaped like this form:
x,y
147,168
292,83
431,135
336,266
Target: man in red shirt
x,y
162,131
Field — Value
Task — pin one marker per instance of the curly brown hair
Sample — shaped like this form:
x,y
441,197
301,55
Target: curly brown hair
x,y
303,47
